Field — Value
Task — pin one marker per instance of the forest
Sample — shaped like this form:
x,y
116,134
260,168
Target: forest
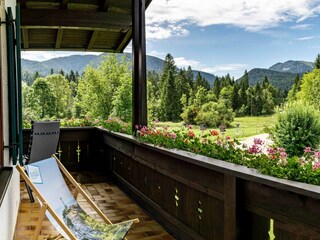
x,y
174,95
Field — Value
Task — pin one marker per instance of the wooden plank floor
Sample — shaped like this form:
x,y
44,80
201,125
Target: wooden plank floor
x,y
114,203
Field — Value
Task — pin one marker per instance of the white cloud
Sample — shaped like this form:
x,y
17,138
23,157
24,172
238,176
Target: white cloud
x,y
307,38
181,62
157,54
163,16
46,55
157,31
235,69
301,27
225,68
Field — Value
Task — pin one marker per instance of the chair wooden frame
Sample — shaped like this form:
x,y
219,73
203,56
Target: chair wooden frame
x,y
46,207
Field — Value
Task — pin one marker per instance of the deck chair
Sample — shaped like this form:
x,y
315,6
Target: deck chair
x,y
59,204
44,140
43,143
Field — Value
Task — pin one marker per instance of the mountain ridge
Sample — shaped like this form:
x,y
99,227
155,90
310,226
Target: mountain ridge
x,y
79,63
281,75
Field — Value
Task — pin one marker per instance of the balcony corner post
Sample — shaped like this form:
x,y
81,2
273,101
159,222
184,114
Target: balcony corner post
x,y
139,75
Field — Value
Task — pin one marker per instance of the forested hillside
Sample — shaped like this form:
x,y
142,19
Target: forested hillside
x,y
78,63
174,95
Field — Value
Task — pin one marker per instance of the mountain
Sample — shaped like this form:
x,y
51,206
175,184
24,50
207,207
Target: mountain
x,y
79,63
293,66
282,80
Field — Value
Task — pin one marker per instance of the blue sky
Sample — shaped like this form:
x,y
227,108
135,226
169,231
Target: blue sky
x,y
229,36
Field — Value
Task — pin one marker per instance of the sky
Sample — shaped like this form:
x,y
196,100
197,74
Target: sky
x,y
228,36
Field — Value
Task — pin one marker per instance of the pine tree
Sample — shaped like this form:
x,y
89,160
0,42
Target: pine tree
x,y
257,100
72,76
61,72
216,87
317,62
265,83
51,71
189,77
235,97
168,65
170,102
201,82
36,75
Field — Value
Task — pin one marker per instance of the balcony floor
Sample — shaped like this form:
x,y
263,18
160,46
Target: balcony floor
x,y
112,201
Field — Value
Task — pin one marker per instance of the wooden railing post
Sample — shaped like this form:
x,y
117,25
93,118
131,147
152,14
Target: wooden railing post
x,y
230,207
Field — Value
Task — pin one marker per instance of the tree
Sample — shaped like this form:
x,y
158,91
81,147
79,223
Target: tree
x,y
36,75
45,97
310,88
201,82
51,71
257,100
170,101
61,72
216,87
122,100
189,77
98,86
31,108
317,62
296,87
168,65
60,88
169,97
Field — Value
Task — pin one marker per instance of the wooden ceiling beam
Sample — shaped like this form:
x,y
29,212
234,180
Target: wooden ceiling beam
x,y
25,38
72,18
71,48
92,39
107,29
64,4
124,40
59,38
105,6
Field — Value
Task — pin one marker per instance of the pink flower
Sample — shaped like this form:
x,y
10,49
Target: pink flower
x,y
283,155
228,137
219,142
316,166
257,141
271,151
172,135
317,154
254,149
307,149
189,126
281,150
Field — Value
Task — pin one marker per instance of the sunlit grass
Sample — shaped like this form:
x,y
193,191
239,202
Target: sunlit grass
x,y
248,126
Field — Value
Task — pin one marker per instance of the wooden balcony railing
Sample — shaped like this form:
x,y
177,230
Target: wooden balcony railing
x,y
196,197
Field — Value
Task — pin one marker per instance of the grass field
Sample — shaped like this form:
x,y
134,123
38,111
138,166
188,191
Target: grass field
x,y
248,126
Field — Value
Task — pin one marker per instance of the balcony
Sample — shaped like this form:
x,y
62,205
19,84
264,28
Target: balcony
x,y
191,196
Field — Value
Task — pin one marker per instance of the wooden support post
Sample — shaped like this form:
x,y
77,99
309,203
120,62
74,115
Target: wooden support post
x,y
230,204
139,78
42,214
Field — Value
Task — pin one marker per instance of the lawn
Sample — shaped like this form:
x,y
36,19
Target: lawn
x,y
248,126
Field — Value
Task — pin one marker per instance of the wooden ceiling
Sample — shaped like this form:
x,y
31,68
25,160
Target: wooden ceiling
x,y
76,25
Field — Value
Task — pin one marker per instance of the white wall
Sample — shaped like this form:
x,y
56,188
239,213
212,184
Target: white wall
x,y
9,208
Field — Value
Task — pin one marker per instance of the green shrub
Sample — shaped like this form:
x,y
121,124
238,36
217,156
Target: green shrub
x,y
297,127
